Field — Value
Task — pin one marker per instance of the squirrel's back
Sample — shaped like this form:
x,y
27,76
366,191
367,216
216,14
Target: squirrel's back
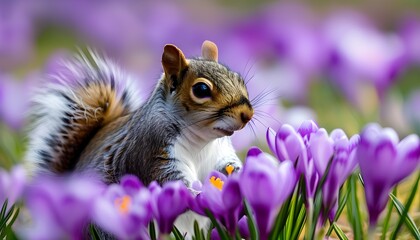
x,y
72,105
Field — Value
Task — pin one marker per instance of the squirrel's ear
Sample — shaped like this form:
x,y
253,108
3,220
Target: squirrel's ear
x,y
209,51
173,60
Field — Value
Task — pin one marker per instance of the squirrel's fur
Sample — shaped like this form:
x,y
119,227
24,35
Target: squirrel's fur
x,y
84,95
89,118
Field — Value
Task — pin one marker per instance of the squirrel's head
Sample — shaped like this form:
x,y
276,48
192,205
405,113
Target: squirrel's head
x,y
210,97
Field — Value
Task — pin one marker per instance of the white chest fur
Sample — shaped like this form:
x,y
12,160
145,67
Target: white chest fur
x,y
195,160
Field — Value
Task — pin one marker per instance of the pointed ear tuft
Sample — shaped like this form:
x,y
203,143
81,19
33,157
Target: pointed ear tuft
x,y
209,51
173,60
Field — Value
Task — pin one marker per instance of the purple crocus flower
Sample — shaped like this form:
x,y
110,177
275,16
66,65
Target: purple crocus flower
x,y
338,149
221,195
384,161
12,184
266,184
289,144
311,148
168,202
61,207
124,209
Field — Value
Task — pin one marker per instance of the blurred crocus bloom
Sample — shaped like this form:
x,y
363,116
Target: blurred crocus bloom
x,y
221,195
362,55
168,202
124,209
61,207
14,99
12,184
410,34
384,161
16,33
266,184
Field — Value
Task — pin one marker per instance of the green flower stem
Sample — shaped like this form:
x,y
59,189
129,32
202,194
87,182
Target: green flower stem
x,y
309,234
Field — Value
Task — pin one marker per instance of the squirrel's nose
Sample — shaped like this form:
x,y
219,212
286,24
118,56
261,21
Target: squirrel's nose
x,y
245,117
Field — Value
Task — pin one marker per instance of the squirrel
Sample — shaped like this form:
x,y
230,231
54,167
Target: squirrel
x,y
88,117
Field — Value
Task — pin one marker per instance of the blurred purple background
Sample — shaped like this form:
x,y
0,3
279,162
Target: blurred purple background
x,y
341,65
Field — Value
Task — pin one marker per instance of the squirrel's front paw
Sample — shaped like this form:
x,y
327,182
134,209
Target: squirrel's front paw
x,y
231,168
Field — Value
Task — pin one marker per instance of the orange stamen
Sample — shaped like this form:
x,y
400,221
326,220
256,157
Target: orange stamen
x,y
123,203
229,169
217,182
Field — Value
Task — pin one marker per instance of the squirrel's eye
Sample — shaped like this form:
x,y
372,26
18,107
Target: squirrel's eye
x,y
201,90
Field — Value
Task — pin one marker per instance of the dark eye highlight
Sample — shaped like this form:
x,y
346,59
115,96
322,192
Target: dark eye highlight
x,y
201,90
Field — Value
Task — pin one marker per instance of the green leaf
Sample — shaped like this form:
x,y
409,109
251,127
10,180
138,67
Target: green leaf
x,y
16,211
222,233
177,233
402,211
152,230
197,231
339,232
385,224
354,209
3,209
300,223
282,217
94,232
10,234
341,204
5,219
251,222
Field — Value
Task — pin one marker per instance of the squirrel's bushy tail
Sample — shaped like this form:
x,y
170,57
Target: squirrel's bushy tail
x,y
75,102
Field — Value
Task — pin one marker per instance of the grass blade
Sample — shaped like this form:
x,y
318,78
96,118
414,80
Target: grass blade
x,y
177,233
385,225
152,230
251,222
93,232
339,232
197,231
282,217
354,209
402,211
222,233
341,206
300,221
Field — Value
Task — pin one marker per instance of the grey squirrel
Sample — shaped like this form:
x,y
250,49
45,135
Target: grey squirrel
x,y
89,118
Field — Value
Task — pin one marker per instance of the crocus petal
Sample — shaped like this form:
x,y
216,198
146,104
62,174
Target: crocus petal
x,y
307,127
337,134
231,194
253,152
289,144
321,147
130,183
408,157
243,228
271,140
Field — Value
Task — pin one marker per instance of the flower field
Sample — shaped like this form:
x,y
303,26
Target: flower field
x,y
331,152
